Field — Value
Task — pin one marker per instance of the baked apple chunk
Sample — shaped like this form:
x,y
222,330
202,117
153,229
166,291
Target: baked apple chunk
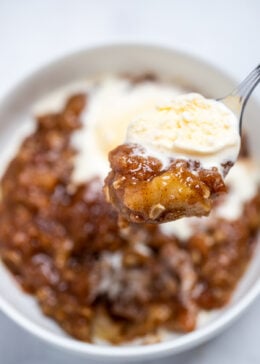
x,y
143,191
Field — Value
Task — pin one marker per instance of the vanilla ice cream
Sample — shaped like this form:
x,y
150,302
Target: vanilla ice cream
x,y
112,103
190,127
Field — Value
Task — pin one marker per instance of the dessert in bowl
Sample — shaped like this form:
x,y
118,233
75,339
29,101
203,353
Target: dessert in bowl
x,y
168,286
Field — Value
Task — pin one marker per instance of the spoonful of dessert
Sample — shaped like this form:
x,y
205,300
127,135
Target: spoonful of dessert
x,y
176,156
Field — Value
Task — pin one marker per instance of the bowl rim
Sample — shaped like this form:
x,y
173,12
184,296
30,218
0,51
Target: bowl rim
x,y
165,348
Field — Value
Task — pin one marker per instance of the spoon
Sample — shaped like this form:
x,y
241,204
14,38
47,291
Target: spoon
x,y
237,99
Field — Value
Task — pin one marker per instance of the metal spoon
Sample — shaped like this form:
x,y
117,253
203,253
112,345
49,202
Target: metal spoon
x,y
237,99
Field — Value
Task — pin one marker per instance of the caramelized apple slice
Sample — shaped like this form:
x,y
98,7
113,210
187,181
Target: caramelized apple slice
x,y
142,190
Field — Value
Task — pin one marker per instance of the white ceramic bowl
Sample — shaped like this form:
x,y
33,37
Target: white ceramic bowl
x,y
15,109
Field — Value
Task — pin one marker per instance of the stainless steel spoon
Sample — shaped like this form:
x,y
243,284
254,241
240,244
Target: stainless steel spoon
x,y
237,99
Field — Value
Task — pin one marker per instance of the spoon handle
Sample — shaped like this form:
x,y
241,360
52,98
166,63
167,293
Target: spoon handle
x,y
237,99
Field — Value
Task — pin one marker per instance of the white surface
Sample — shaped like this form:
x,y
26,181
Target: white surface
x,y
226,33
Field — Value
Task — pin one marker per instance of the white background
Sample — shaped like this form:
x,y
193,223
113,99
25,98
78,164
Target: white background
x,y
224,32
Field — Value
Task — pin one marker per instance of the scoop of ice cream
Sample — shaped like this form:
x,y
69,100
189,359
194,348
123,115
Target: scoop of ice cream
x,y
112,103
189,126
